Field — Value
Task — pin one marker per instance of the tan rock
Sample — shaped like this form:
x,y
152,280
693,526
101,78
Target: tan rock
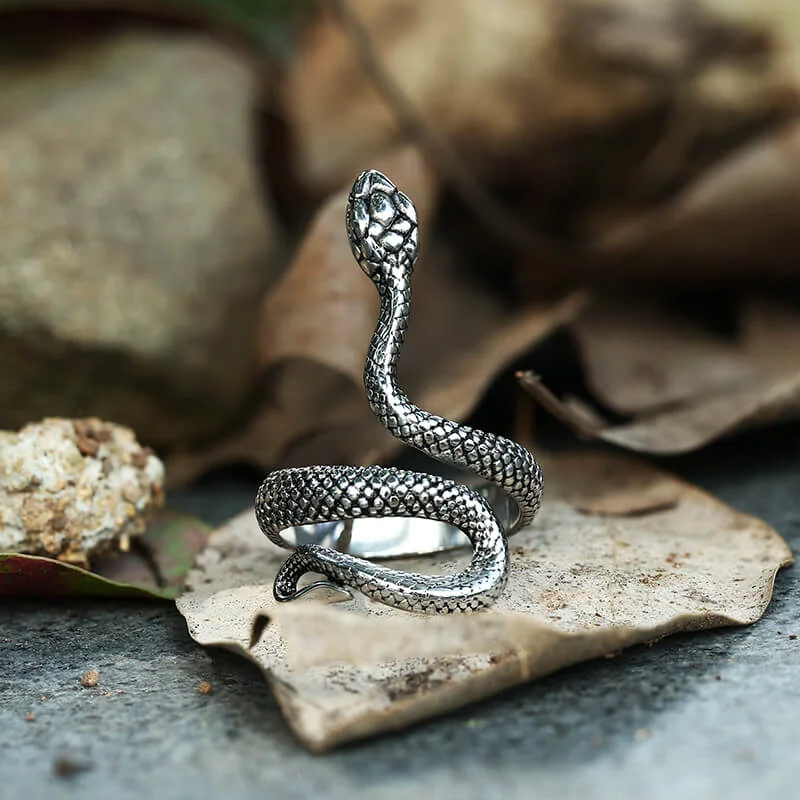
x,y
62,499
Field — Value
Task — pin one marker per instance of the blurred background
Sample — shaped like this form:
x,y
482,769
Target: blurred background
x,y
608,192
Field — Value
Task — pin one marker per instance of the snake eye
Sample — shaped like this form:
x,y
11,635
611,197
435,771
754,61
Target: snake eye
x,y
381,208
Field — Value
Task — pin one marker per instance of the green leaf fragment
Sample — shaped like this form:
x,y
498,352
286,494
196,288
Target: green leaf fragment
x,y
155,567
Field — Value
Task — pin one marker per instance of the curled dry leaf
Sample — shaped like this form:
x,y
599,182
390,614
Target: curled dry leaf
x,y
324,309
688,107
504,79
637,357
684,387
600,569
770,333
738,216
684,428
315,330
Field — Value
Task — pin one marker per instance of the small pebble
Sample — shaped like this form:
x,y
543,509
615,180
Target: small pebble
x,y
30,717
205,687
67,767
90,678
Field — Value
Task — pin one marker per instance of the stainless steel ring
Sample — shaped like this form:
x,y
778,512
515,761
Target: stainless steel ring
x,y
336,517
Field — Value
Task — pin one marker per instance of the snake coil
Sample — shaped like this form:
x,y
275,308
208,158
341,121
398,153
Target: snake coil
x,y
381,225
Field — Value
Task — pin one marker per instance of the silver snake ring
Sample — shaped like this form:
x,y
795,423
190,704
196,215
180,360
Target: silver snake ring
x,y
322,510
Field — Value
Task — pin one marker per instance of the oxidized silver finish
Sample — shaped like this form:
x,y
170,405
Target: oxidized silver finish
x,y
382,227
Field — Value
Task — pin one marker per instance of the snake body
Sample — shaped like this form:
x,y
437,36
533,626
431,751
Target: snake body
x,y
381,224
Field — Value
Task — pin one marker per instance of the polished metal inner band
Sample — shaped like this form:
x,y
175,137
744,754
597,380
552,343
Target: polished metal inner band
x,y
399,537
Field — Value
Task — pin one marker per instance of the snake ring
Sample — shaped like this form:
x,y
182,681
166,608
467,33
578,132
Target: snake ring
x,y
332,515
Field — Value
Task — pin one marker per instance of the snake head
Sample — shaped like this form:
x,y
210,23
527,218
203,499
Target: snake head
x,y
382,227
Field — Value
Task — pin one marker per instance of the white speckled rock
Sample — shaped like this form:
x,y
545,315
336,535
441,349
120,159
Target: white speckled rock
x,y
72,488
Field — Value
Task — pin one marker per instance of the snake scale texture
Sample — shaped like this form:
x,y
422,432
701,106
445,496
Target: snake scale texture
x,y
381,224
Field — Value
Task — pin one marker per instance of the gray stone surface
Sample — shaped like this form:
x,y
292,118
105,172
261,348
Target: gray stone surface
x,y
710,715
135,235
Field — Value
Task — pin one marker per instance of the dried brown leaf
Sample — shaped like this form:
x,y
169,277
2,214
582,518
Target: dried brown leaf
x,y
682,428
467,367
324,309
738,216
598,571
770,332
638,358
683,387
516,103
504,79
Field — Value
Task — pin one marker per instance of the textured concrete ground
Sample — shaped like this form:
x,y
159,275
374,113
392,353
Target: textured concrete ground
x,y
708,716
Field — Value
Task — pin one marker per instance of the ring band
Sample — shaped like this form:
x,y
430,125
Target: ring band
x,y
398,537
